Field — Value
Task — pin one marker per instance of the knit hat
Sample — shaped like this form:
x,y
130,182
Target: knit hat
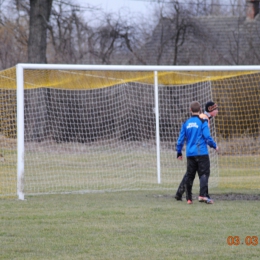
x,y
210,106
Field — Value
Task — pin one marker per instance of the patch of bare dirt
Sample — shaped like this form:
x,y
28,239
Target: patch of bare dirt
x,y
219,197
232,196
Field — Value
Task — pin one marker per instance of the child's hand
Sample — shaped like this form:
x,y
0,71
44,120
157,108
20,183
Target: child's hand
x,y
179,156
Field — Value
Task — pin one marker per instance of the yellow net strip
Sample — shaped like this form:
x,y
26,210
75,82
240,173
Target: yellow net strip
x,y
78,80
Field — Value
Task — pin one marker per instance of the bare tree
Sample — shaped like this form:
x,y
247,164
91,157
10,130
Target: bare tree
x,y
238,7
39,22
175,23
73,40
58,34
114,39
68,34
13,35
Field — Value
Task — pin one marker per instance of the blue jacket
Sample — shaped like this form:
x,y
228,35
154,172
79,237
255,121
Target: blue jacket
x,y
195,132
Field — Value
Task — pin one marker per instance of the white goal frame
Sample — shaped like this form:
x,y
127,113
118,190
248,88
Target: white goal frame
x,y
155,69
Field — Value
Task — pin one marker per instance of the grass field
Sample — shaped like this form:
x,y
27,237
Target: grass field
x,y
127,225
144,224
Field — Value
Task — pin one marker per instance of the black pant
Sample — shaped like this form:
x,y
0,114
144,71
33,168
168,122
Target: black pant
x,y
200,164
181,188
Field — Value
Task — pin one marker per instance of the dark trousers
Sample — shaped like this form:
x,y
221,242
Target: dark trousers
x,y
181,188
200,164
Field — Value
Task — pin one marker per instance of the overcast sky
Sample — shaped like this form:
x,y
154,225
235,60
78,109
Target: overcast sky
x,y
134,9
143,7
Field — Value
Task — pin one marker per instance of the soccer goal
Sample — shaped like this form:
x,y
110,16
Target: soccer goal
x,y
91,128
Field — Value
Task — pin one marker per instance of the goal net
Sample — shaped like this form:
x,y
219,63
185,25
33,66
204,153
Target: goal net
x,y
76,128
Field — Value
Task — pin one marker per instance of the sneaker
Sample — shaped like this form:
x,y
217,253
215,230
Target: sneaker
x,y
189,202
178,197
202,199
206,200
209,201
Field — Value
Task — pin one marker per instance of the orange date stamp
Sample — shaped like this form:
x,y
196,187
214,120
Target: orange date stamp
x,y
236,241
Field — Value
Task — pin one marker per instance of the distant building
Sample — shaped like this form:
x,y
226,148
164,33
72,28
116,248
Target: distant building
x,y
209,40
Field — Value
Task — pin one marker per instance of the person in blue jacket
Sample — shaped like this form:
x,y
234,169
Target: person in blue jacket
x,y
211,110
196,134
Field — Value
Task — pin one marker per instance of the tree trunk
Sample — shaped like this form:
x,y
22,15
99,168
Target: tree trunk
x,y
39,17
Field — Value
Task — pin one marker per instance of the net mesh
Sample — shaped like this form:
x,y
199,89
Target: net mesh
x,y
95,130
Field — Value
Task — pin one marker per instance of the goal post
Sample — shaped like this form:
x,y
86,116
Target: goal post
x,y
20,131
89,128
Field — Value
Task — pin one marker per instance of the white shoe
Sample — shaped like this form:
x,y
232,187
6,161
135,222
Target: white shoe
x,y
205,199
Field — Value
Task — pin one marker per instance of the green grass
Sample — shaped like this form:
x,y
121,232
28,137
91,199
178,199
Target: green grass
x,y
126,225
